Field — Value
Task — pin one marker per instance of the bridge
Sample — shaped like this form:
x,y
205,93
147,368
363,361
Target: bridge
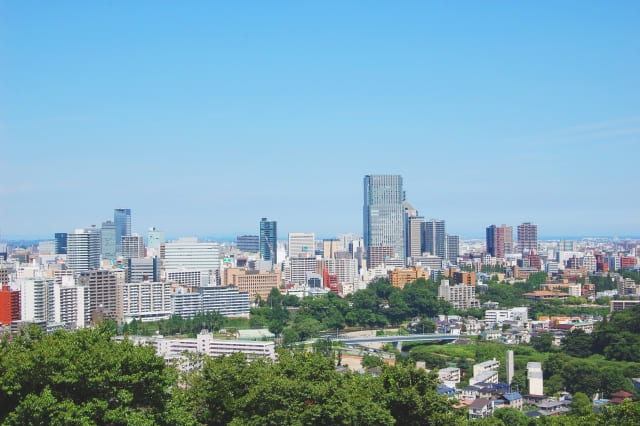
x,y
396,340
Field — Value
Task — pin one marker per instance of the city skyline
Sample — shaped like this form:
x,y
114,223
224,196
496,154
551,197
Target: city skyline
x,y
203,118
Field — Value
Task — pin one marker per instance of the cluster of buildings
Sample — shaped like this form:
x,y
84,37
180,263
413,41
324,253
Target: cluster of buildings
x,y
108,271
486,393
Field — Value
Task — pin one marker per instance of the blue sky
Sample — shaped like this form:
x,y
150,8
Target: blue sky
x,y
203,117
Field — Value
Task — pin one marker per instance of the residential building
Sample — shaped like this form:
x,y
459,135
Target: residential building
x,y
299,266
527,237
302,244
378,255
143,301
173,349
400,277
463,277
226,300
9,305
490,365
434,238
495,241
383,214
122,219
248,243
108,240
268,240
461,296
255,283
330,247
83,249
414,236
480,408
101,286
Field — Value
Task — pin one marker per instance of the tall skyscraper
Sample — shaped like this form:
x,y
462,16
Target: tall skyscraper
x,y
453,248
268,240
61,242
302,243
108,236
527,237
383,213
433,238
499,240
495,241
122,218
83,249
508,239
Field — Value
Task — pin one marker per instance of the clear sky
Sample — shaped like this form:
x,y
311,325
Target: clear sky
x,y
203,117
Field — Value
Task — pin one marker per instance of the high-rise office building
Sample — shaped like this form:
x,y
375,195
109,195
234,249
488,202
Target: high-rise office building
x,y
414,236
434,238
83,249
139,270
383,213
108,239
248,243
527,237
453,248
132,246
154,238
302,244
268,240
122,218
60,242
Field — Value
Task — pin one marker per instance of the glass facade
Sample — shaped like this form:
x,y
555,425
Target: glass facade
x,y
383,213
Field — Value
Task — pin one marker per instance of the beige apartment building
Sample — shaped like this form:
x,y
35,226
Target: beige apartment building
x,y
256,283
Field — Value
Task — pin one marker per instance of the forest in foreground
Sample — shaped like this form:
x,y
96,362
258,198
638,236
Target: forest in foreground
x,y
86,378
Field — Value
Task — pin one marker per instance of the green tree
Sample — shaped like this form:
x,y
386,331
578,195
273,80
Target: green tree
x,y
581,405
370,361
577,343
511,416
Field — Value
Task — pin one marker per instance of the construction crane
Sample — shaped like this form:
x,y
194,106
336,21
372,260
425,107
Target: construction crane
x,y
273,256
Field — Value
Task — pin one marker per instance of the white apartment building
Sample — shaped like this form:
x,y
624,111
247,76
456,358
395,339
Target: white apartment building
x,y
144,301
84,249
491,365
298,268
173,349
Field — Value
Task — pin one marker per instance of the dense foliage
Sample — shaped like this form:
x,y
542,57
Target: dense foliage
x,y
616,339
379,305
85,377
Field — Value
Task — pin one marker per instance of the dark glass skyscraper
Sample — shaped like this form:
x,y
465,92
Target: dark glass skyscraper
x,y
60,242
122,218
383,213
268,240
